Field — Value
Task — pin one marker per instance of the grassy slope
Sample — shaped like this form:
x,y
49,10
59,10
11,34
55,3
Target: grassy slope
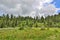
x,y
30,34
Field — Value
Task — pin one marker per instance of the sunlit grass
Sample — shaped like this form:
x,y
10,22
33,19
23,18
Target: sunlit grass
x,y
30,34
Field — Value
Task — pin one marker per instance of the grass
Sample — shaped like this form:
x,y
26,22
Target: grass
x,y
30,34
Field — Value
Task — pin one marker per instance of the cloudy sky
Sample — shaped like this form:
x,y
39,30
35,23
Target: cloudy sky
x,y
30,7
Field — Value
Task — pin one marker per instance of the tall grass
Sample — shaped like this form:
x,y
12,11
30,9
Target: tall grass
x,y
30,34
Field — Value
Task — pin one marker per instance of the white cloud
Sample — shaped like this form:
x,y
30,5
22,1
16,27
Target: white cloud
x,y
48,10
28,7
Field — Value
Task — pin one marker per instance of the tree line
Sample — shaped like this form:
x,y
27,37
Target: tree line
x,y
20,21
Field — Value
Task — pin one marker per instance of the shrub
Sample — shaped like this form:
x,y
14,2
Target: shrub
x,y
21,28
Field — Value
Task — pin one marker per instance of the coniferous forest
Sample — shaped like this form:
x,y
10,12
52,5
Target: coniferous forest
x,y
20,21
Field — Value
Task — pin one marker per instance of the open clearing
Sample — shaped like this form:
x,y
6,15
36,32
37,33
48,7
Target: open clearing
x,y
30,34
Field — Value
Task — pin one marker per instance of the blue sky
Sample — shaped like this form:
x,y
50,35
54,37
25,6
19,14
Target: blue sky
x,y
57,3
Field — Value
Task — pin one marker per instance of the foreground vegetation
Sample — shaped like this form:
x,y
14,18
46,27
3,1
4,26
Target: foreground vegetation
x,y
28,28
30,34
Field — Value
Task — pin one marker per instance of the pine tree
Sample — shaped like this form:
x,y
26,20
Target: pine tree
x,y
12,16
7,17
42,19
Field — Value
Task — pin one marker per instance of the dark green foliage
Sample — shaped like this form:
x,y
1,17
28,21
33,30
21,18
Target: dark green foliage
x,y
2,25
42,19
7,16
11,16
21,28
12,21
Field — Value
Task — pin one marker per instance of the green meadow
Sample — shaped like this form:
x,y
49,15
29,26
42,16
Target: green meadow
x,y
30,34
28,28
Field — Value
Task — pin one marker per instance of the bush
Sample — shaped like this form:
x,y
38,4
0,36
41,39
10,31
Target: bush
x,y
21,28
